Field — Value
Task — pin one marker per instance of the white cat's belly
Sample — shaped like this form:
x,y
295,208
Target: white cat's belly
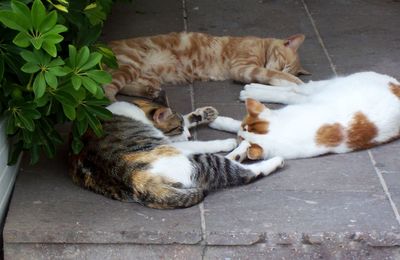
x,y
176,168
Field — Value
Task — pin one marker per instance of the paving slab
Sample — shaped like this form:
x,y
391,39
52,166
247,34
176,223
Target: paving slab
x,y
360,35
142,18
236,217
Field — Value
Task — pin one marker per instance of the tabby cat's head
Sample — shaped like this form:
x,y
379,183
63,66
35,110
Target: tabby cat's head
x,y
282,55
169,122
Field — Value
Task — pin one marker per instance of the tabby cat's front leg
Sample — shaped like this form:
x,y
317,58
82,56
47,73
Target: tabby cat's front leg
x,y
248,74
202,115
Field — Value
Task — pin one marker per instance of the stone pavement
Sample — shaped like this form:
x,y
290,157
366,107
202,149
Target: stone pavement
x,y
336,206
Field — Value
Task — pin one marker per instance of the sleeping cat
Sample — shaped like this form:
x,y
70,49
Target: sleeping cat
x,y
147,62
339,115
136,162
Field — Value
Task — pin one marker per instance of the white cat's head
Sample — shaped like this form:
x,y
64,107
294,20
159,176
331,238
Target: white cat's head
x,y
255,124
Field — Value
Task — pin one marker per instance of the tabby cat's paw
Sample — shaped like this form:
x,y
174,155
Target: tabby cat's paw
x,y
203,115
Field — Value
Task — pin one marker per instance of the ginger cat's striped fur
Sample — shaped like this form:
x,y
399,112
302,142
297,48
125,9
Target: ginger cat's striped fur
x,y
147,62
339,115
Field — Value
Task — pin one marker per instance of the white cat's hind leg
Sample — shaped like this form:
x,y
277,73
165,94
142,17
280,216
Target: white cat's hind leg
x,y
266,167
240,153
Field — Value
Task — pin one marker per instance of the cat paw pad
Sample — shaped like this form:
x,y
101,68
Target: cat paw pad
x,y
203,115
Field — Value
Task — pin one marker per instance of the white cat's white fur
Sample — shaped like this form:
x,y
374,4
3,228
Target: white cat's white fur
x,y
178,168
292,129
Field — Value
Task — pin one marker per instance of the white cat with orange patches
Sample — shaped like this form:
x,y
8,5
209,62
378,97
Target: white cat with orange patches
x,y
340,115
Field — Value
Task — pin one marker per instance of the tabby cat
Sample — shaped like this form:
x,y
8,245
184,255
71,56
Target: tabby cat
x,y
338,115
147,62
136,162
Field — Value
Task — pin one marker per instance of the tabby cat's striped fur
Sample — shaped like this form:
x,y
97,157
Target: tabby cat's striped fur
x,y
134,161
147,62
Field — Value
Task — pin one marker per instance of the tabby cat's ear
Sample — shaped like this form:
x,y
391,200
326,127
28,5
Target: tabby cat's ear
x,y
254,107
161,114
294,41
255,152
162,99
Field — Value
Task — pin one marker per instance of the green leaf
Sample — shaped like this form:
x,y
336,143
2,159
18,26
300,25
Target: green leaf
x,y
50,48
22,39
37,42
48,22
99,76
108,56
65,98
53,38
42,100
82,126
32,113
76,145
14,153
11,20
51,80
25,121
30,68
69,111
39,85
90,85
94,59
35,154
27,136
76,81
23,13
72,55
29,56
56,62
58,28
94,123
100,112
83,56
10,128
57,71
38,13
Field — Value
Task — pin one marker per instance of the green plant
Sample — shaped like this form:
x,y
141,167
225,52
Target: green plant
x,y
51,72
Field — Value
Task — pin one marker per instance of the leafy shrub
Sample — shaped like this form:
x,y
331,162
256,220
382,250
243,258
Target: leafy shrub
x,y
51,72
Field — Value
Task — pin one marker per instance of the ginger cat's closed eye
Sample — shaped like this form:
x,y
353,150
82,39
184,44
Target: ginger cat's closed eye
x,y
147,62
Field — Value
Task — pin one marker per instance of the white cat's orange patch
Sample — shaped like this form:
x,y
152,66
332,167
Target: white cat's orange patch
x,y
395,88
330,135
361,132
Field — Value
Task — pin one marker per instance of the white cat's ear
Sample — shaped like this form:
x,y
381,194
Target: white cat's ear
x,y
294,41
254,107
162,114
255,152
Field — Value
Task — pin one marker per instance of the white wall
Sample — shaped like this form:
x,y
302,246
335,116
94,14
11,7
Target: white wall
x,y
7,173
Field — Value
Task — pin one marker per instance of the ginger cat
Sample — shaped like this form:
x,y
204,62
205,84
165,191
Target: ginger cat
x,y
147,62
338,115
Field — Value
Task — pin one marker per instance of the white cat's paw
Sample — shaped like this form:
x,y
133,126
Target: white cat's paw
x,y
272,165
245,94
228,145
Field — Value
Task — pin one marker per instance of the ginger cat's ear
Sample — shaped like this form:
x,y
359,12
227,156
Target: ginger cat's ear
x,y
161,99
294,41
254,107
161,115
302,71
255,152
